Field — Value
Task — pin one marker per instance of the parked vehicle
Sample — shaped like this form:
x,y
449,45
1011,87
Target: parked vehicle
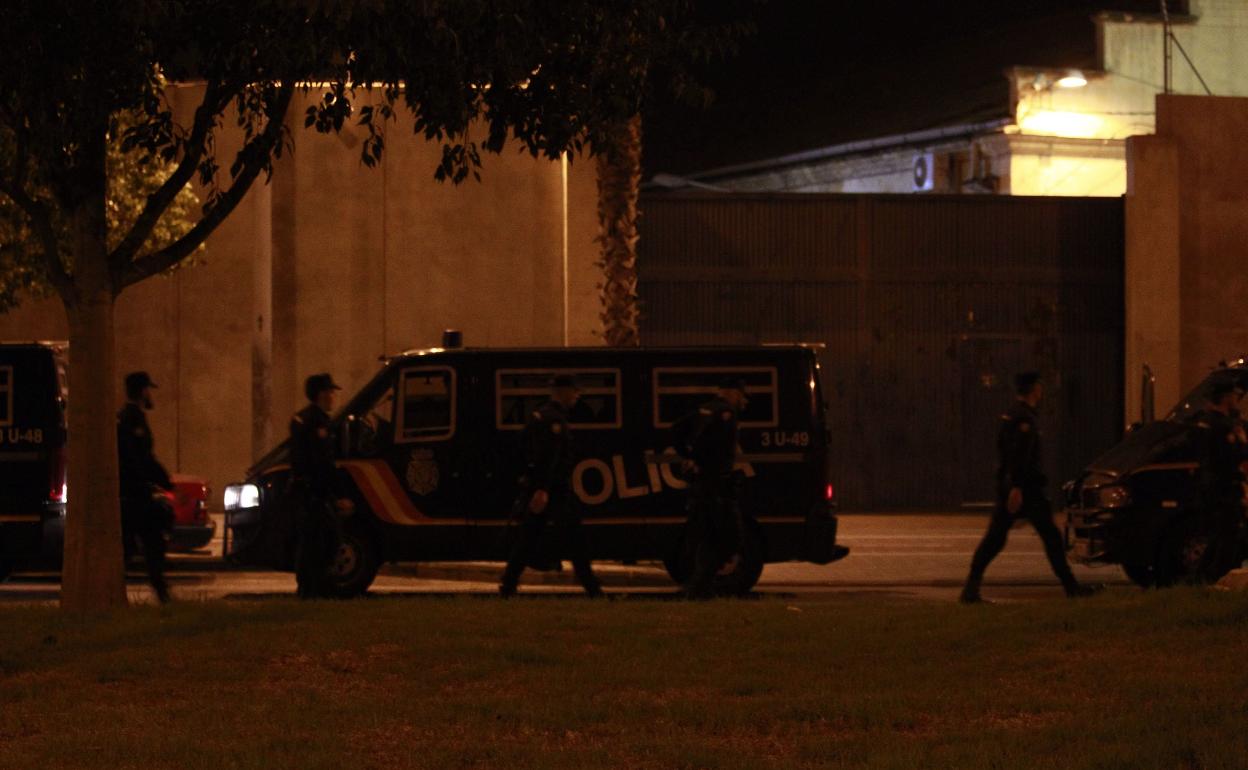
x,y
32,451
1135,505
193,527
429,451
34,467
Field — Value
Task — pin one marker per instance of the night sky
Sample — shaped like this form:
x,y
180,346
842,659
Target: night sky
x,y
822,72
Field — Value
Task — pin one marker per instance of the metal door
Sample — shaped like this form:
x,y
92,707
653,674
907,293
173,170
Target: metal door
x,y
988,366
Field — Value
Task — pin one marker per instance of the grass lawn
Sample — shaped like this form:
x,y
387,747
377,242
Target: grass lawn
x,y
1126,680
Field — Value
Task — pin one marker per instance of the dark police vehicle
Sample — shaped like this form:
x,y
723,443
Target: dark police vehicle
x,y
32,452
430,452
1136,504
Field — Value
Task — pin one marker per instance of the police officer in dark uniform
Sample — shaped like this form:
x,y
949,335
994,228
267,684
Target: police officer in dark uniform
x,y
316,490
707,440
1220,493
1021,492
546,506
145,512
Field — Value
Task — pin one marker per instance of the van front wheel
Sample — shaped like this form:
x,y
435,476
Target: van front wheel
x,y
354,562
6,569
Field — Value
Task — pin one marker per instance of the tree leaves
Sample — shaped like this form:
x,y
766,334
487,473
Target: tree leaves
x,y
547,76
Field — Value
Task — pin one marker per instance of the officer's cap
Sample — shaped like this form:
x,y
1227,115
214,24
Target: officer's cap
x,y
732,383
1025,381
563,381
317,384
136,382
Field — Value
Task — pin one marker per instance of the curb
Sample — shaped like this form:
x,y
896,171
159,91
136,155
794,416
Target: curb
x,y
489,572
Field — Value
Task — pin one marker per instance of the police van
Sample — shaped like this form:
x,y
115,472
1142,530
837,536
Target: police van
x,y
1137,505
32,452
429,450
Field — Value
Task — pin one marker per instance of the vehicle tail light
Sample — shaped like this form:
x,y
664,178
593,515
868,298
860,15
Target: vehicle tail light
x,y
829,493
57,468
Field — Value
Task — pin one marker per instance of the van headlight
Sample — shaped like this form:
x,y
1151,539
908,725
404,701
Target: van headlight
x,y
241,496
1113,496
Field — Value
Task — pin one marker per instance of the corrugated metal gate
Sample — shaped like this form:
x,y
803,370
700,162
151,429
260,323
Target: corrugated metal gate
x,y
927,305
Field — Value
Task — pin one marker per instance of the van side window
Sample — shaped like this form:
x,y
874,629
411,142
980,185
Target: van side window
x,y
427,411
6,396
678,391
375,427
519,392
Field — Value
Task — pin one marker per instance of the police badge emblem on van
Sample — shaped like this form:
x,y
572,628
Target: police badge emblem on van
x,y
422,472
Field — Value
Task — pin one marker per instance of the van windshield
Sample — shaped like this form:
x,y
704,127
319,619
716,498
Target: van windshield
x,y
1193,402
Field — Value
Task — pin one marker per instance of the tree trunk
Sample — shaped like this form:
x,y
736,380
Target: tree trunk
x,y
93,576
619,182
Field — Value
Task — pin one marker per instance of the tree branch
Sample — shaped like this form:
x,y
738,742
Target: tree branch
x,y
159,200
41,221
255,157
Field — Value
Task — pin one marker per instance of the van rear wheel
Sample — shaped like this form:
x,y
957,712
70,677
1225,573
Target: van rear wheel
x,y
743,575
737,576
6,569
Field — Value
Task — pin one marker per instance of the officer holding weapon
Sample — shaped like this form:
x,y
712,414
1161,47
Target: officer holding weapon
x,y
546,506
707,440
145,511
316,491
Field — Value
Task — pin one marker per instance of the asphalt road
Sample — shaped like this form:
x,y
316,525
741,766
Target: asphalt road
x,y
922,556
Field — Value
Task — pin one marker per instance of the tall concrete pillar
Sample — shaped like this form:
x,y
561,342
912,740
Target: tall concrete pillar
x,y
1187,244
1152,270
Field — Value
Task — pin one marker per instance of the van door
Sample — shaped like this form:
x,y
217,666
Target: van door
x,y
411,485
609,478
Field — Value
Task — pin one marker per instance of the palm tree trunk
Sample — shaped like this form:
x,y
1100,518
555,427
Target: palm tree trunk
x,y
619,181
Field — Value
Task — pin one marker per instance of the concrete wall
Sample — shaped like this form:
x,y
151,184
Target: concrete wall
x,y
332,265
1187,244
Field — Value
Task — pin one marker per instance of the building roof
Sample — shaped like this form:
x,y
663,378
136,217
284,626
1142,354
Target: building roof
x,y
818,78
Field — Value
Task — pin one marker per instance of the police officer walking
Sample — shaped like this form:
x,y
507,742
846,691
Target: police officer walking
x,y
1021,493
547,505
315,487
145,514
707,440
1220,493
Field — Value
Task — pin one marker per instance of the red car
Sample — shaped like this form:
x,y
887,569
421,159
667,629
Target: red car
x,y
193,528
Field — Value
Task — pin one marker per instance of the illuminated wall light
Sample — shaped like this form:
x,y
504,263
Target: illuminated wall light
x,y
1072,79
1075,125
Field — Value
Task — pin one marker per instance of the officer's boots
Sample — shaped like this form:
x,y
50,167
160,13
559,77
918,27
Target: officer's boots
x,y
1083,590
970,592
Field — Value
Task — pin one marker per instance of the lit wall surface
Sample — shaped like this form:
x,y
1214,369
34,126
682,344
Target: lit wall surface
x,y
1118,101
1057,175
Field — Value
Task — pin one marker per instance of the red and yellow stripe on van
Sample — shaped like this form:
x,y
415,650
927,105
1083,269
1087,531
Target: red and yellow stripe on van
x,y
385,495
